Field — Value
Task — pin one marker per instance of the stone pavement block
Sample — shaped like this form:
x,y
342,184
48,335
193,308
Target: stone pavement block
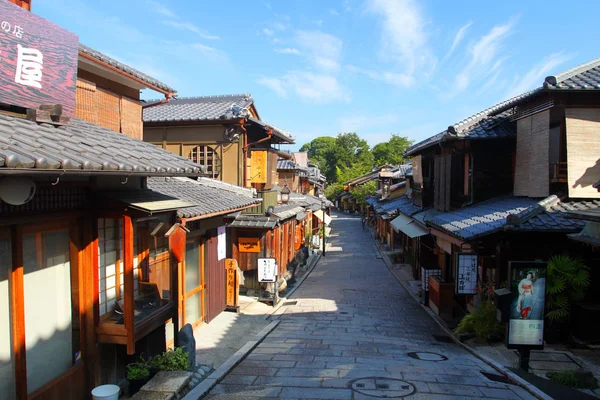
x,y
363,366
146,395
291,357
248,391
315,393
239,379
551,365
259,357
168,381
329,359
272,364
260,371
457,390
500,394
460,380
340,383
309,372
312,364
409,376
287,381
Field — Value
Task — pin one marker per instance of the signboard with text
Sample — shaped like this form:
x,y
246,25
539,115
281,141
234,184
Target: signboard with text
x,y
233,282
38,60
267,270
249,245
466,273
527,282
258,167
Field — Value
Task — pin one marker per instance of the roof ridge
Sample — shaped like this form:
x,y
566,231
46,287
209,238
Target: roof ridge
x,y
563,76
532,211
215,96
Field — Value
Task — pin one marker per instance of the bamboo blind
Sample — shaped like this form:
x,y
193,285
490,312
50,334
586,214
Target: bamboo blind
x,y
583,151
85,101
131,118
522,158
417,169
532,169
109,109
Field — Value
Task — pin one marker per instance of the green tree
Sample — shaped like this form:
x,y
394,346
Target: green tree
x,y
361,193
333,190
317,152
391,152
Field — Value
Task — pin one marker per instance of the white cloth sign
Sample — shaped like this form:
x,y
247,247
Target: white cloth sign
x,y
466,273
221,243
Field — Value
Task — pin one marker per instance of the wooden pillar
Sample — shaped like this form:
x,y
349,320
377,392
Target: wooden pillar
x,y
18,313
128,270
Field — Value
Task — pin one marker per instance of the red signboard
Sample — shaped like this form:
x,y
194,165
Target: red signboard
x,y
38,60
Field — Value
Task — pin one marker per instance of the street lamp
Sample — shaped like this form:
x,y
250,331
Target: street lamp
x,y
285,194
323,208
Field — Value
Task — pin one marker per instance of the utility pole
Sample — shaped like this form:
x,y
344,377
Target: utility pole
x,y
323,208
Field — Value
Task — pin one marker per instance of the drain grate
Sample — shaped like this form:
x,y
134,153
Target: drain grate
x,y
343,312
290,303
496,378
380,387
443,338
427,356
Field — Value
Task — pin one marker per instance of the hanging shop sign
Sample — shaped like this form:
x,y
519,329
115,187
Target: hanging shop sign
x,y
466,273
528,295
258,167
221,243
233,282
249,245
267,270
38,60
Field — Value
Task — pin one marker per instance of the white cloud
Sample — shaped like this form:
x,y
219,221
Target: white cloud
x,y
484,56
309,86
404,37
287,50
161,9
274,84
186,26
268,32
358,122
535,76
393,78
322,49
334,12
458,39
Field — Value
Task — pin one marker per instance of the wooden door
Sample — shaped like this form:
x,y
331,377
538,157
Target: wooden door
x,y
193,284
215,278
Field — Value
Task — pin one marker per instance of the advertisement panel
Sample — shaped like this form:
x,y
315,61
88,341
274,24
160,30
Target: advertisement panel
x,y
527,282
38,60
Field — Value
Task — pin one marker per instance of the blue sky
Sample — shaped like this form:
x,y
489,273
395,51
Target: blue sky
x,y
317,68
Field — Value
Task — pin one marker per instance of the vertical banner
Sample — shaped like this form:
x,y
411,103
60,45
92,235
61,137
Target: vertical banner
x,y
233,282
258,167
466,273
221,243
527,282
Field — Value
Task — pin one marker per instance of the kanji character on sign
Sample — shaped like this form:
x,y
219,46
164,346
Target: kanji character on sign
x,y
18,32
30,63
5,26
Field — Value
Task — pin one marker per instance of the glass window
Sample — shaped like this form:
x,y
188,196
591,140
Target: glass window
x,y
207,156
7,371
48,311
110,254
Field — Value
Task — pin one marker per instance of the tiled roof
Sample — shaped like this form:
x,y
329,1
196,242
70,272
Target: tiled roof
x,y
402,203
278,132
199,108
209,196
82,147
308,201
515,213
285,211
283,164
253,222
582,77
125,68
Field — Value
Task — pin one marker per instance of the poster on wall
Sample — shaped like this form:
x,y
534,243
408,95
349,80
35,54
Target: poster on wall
x,y
267,270
527,282
466,273
249,245
222,243
38,60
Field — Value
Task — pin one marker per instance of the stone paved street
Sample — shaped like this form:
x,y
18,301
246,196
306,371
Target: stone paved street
x,y
349,320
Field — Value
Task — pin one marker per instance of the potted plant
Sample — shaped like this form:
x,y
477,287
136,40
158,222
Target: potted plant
x,y
172,360
138,374
567,281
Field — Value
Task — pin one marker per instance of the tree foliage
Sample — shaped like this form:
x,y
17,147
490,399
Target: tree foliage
x,y
567,281
392,151
363,192
333,190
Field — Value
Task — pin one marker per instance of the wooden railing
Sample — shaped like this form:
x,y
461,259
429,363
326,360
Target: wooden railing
x,y
558,172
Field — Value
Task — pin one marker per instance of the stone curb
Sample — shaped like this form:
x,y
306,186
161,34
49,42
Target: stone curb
x,y
500,368
211,381
289,295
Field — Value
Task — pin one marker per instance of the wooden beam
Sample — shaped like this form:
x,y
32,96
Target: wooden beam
x,y
17,301
128,271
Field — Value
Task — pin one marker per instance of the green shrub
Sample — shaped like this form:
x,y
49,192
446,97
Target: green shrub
x,y
172,360
138,370
574,379
568,280
482,322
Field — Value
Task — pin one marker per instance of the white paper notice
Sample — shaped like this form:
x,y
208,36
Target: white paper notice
x,y
221,243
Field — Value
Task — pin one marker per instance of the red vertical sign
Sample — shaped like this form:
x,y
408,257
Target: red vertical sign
x,y
38,60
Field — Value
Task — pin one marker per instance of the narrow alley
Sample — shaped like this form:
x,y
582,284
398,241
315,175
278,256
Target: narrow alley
x,y
351,331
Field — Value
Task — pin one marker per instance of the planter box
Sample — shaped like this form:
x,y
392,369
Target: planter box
x,y
441,296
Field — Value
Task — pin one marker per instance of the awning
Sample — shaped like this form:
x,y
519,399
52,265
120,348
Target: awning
x,y
301,216
147,200
408,226
319,215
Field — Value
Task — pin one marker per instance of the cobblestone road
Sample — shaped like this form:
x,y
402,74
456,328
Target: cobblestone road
x,y
350,332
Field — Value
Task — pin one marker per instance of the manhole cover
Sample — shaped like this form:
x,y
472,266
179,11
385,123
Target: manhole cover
x,y
384,388
427,356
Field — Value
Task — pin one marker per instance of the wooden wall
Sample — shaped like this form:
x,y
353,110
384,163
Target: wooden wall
x,y
532,168
442,179
583,151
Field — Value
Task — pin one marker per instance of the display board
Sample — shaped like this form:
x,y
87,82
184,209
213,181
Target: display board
x,y
38,60
527,284
466,273
267,270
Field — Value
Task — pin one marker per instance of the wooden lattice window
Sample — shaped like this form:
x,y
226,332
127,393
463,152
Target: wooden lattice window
x,y
207,156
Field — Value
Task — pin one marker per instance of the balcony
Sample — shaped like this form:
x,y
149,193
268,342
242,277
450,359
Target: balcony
x,y
558,172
